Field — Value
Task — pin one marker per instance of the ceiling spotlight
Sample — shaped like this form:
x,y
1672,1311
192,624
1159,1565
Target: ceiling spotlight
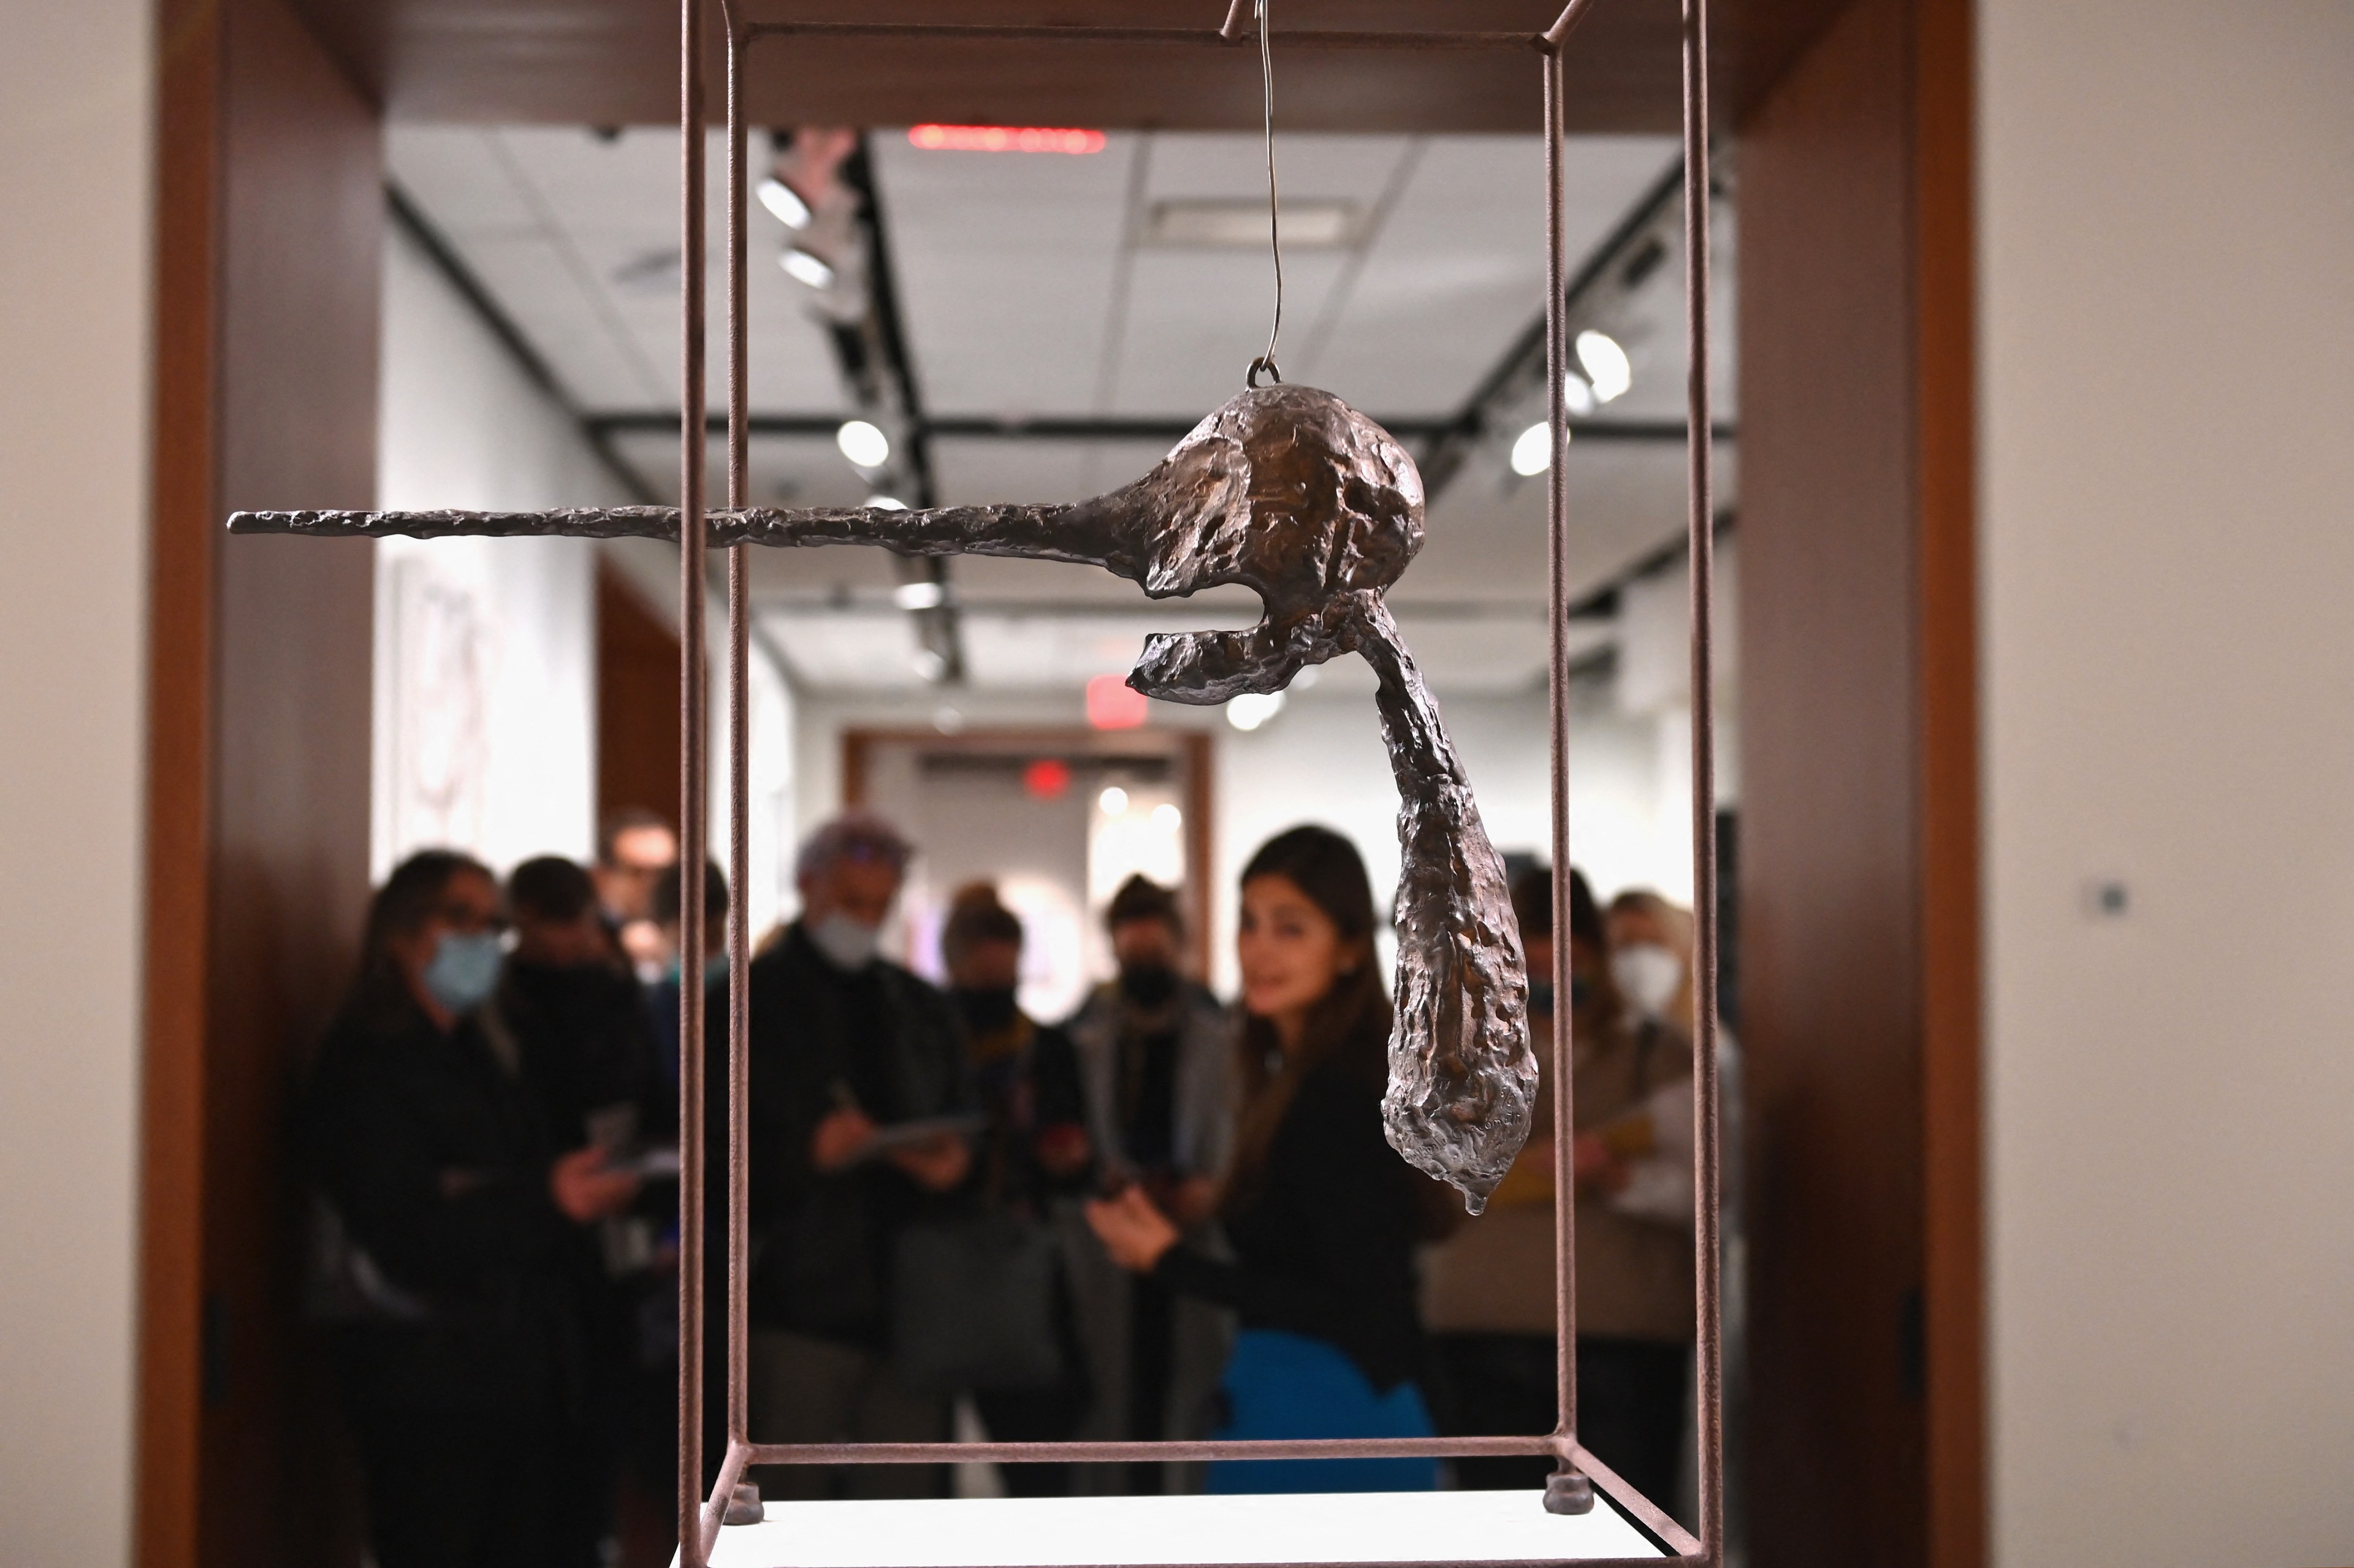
x,y
1167,818
784,202
1533,452
1605,364
862,443
805,268
1253,709
920,596
887,503
1575,392
1114,801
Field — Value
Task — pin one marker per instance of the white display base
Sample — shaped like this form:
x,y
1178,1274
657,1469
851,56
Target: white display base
x,y
1111,1533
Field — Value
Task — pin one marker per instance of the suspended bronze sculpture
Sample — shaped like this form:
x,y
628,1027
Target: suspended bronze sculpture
x,y
1289,492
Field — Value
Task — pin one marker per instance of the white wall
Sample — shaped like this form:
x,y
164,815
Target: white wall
x,y
75,90
486,653
2167,203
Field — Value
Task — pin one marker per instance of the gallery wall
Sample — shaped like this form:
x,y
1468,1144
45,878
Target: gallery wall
x,y
75,86
2167,347
485,655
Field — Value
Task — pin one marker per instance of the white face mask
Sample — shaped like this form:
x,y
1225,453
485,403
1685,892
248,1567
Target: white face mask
x,y
1648,975
846,944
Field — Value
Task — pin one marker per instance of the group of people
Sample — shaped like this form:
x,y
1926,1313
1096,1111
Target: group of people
x,y
1161,1218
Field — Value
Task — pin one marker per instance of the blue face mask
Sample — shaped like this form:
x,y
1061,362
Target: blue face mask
x,y
465,969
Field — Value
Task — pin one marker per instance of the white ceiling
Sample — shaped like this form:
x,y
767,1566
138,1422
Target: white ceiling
x,y
1024,293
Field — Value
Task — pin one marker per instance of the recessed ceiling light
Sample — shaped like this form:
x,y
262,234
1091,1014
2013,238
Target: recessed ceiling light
x,y
1533,452
862,443
1252,709
920,596
947,720
1113,800
805,268
1576,394
784,202
1168,818
1605,364
929,664
1241,223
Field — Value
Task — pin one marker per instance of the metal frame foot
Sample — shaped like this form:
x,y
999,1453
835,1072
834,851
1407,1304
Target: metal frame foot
x,y
1567,1491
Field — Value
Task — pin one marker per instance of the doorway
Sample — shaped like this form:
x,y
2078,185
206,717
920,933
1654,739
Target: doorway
x,y
1057,819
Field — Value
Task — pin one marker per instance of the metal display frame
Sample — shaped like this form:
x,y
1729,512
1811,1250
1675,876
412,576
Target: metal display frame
x,y
702,1515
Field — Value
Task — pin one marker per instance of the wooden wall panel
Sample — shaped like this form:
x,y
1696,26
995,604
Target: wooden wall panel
x,y
637,703
1859,863
267,296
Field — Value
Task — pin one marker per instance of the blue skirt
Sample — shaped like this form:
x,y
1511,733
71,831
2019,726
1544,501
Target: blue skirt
x,y
1281,1384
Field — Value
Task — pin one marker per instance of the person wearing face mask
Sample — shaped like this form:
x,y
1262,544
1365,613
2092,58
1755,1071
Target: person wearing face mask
x,y
1322,1215
1488,1289
573,1016
1156,1061
1033,1151
711,972
454,1243
844,1046
1631,1093
574,1021
1650,956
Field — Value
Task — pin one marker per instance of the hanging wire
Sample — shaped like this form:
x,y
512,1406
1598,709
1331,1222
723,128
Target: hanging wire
x,y
1274,229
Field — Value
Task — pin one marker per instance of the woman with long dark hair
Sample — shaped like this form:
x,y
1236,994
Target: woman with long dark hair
x,y
457,1245
1322,1213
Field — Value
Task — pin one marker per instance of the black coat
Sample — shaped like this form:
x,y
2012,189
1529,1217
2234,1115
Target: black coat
x,y
820,1039
435,1158
1324,1241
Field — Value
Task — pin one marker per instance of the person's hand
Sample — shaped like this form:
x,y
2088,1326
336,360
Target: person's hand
x,y
1187,1201
841,1138
1136,1233
1597,1166
936,1164
1062,1148
585,1189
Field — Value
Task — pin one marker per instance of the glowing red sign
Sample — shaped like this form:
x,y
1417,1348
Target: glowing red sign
x,y
1047,778
1004,139
1113,703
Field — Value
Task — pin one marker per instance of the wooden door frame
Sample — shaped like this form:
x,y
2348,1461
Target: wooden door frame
x,y
1865,146
195,709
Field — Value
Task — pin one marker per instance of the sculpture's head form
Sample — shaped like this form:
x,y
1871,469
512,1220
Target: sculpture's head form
x,y
1288,491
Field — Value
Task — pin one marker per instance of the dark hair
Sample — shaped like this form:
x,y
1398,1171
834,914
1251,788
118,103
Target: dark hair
x,y
550,888
667,903
1584,915
1141,898
1532,904
408,899
1348,1028
626,820
976,916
